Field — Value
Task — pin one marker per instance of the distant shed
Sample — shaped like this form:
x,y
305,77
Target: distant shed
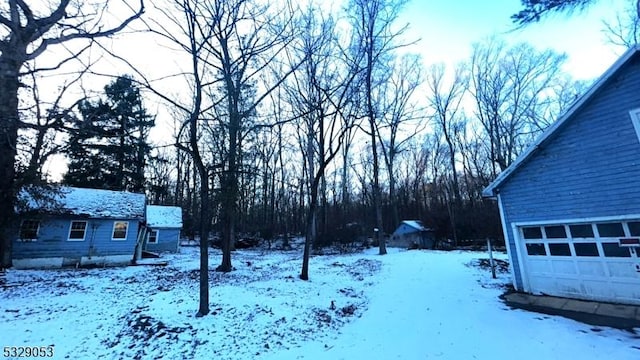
x,y
412,233
164,224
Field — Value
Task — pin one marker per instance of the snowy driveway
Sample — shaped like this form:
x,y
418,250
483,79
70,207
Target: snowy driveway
x,y
405,305
431,306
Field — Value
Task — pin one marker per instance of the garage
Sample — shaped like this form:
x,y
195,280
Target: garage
x,y
570,202
594,261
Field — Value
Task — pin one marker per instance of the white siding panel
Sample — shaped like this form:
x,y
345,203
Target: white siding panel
x,y
563,267
598,288
621,269
591,268
568,286
539,266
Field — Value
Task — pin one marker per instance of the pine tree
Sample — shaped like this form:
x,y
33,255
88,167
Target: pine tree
x,y
108,147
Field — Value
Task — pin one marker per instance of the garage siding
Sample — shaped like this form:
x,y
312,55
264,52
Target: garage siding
x,y
589,168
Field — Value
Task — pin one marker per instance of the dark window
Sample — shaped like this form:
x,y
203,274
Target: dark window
x,y
536,249
29,229
586,249
611,230
614,250
77,230
532,232
120,230
555,232
561,249
634,228
581,231
153,237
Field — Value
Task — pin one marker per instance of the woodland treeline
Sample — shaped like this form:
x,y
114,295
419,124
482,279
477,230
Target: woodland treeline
x,y
305,121
287,118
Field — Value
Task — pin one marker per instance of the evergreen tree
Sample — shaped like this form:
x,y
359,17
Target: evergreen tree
x,y
108,147
534,10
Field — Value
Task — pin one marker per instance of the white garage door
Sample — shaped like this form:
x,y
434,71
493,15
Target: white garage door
x,y
582,260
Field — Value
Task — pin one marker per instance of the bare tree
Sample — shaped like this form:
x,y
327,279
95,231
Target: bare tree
x,y
475,162
161,176
26,33
399,109
507,85
445,101
374,37
625,29
563,91
246,36
185,26
42,125
319,93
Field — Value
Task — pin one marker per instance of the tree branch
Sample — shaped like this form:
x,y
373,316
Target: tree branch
x,y
43,25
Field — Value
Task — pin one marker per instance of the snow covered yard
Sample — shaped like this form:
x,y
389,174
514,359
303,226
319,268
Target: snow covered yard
x,y
406,305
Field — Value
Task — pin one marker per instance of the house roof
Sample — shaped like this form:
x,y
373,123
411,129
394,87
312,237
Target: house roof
x,y
493,188
416,224
92,203
164,216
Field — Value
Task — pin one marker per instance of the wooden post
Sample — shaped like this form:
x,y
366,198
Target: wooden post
x,y
137,253
493,266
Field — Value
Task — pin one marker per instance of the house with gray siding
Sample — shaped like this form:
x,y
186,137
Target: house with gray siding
x,y
79,227
570,204
164,224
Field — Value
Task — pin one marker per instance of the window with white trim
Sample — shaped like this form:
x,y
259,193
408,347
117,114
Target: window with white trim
x,y
153,237
120,230
29,230
635,119
77,230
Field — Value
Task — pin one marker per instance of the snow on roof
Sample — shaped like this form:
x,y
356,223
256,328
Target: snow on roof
x,y
93,203
416,224
164,216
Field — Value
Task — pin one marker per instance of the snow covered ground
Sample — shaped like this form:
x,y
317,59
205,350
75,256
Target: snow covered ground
x,y
406,305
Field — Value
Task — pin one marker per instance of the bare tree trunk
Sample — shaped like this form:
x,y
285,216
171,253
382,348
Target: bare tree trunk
x,y
311,231
345,196
392,193
179,186
205,217
375,193
283,215
230,195
324,207
312,214
9,121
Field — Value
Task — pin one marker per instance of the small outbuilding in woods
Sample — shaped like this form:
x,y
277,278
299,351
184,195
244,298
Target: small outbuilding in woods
x,y
164,224
412,234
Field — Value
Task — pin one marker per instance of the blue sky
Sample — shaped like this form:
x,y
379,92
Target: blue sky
x,y
449,27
